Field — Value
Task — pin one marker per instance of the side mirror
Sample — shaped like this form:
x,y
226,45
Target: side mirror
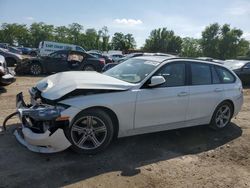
x,y
157,80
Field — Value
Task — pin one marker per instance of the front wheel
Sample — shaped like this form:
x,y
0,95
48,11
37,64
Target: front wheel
x,y
222,116
91,132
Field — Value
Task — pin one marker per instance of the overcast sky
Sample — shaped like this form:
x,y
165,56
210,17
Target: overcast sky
x,y
139,17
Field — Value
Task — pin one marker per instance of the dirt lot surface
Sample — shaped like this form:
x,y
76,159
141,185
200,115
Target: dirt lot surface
x,y
191,157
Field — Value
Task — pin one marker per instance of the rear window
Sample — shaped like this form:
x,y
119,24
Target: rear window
x,y
225,75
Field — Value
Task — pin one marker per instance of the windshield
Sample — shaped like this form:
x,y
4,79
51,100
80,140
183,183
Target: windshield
x,y
132,70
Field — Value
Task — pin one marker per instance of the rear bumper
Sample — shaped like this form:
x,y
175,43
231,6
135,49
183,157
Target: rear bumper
x,y
238,102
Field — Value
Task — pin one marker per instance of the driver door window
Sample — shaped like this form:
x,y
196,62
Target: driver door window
x,y
174,74
59,55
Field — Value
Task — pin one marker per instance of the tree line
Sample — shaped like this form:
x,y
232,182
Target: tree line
x,y
217,41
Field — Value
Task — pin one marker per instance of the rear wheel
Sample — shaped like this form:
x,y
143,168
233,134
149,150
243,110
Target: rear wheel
x,y
36,69
222,116
91,132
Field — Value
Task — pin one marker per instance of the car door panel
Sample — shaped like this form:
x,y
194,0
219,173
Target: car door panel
x,y
166,103
161,106
203,100
57,62
205,92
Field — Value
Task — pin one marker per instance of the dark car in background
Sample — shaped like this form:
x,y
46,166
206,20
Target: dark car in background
x,y
59,61
109,66
116,57
241,68
129,56
11,58
28,51
105,57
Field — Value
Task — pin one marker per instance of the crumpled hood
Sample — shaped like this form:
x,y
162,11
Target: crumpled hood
x,y
57,85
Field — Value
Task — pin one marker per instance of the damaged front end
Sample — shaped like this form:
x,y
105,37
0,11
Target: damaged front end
x,y
42,127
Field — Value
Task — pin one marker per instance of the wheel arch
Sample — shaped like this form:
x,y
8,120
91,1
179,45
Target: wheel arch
x,y
38,62
226,100
112,115
231,102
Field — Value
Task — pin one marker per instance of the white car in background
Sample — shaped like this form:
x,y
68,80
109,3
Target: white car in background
x,y
86,110
47,47
6,76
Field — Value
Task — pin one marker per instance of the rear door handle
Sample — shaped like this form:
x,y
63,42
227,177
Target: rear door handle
x,y
218,90
181,94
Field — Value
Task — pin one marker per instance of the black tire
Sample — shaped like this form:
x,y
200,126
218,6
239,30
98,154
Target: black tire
x,y
89,68
216,122
82,138
35,69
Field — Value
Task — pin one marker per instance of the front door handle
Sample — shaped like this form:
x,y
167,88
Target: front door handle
x,y
218,90
182,94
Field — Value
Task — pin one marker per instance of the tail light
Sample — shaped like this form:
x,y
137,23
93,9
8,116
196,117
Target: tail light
x,y
241,89
102,61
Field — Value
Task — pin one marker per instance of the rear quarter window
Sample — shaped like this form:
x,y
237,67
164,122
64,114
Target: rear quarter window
x,y
225,75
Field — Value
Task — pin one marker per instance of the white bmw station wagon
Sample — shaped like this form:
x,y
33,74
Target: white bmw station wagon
x,y
86,110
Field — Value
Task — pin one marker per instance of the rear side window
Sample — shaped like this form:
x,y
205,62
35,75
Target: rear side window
x,y
201,74
225,75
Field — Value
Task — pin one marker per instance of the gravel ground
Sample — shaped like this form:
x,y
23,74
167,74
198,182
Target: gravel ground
x,y
191,157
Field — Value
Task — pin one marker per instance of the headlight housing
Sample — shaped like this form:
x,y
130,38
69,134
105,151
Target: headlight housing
x,y
42,113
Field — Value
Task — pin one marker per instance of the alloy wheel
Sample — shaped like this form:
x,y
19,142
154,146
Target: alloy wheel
x,y
89,132
223,116
35,69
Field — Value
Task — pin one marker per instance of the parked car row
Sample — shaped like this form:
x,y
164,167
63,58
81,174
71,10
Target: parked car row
x,y
59,61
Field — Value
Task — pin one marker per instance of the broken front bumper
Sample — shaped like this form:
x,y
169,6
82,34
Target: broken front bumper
x,y
7,79
42,127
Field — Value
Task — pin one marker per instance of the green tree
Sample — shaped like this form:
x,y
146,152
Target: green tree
x,y
123,42
163,40
62,34
191,47
74,33
210,41
15,34
104,38
41,32
223,42
91,39
129,41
